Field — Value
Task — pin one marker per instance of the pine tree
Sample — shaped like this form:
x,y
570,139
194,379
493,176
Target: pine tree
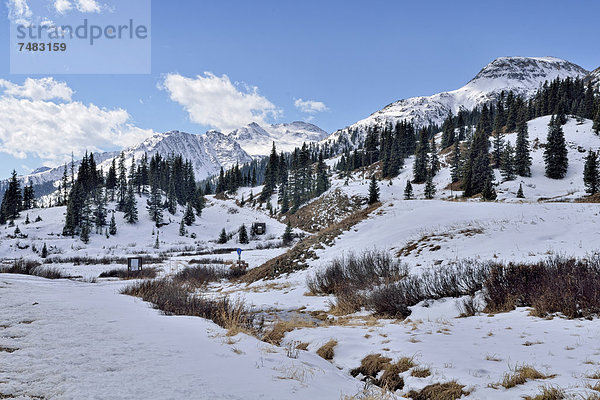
x,y
456,168
27,221
429,186
555,153
189,216
121,183
520,194
507,165
408,191
172,197
285,202
288,235
130,206
322,178
44,251
112,228
498,144
488,193
157,241
421,157
243,235
100,213
12,202
111,180
223,237
85,233
434,162
154,206
182,228
591,179
522,156
17,231
373,191
596,125
477,165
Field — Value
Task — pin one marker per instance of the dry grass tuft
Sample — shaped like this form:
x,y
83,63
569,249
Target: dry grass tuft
x,y
326,351
420,372
439,391
593,375
280,328
522,374
371,365
391,379
548,393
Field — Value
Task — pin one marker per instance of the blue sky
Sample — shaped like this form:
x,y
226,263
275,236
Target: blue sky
x,y
348,57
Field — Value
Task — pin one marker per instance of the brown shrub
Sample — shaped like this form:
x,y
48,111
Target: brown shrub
x,y
548,393
146,273
280,328
391,379
326,351
371,365
28,267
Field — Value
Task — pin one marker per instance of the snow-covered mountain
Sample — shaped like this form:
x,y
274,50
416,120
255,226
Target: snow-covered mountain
x,y
594,77
258,140
522,75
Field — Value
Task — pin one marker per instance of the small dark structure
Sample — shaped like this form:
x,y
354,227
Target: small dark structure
x,y
134,264
259,228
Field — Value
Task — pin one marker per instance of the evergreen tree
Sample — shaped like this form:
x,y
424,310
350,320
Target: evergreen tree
x,y
27,221
488,193
596,125
288,234
591,179
154,206
429,186
322,178
434,162
477,165
456,168
44,251
498,144
421,158
520,194
100,213
373,191
271,174
64,188
189,216
28,197
121,183
243,235
17,231
522,156
130,206
12,202
555,153
112,228
157,241
172,197
111,180
285,202
182,228
85,233
408,191
507,165
223,237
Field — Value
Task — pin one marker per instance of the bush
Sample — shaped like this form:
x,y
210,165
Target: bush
x,y
326,351
201,275
357,272
173,299
28,267
77,260
146,273
555,285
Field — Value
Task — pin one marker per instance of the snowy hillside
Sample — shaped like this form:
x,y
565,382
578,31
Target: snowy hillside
x,y
258,140
522,75
594,77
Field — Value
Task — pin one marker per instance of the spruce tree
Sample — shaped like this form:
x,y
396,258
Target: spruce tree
x,y
488,193
130,207
243,235
322,178
408,191
285,202
172,197
27,221
507,165
12,202
498,144
154,206
157,241
421,158
44,251
100,213
477,165
112,228
555,153
189,217
182,228
288,234
596,125
223,237
456,168
429,186
121,183
373,191
520,194
522,155
591,179
434,162
85,233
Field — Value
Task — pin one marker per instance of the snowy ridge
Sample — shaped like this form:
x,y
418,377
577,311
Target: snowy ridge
x,y
594,77
258,140
522,75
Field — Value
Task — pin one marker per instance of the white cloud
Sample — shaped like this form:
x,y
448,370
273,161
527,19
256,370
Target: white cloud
x,y
19,11
215,101
38,89
51,130
310,106
62,6
87,6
